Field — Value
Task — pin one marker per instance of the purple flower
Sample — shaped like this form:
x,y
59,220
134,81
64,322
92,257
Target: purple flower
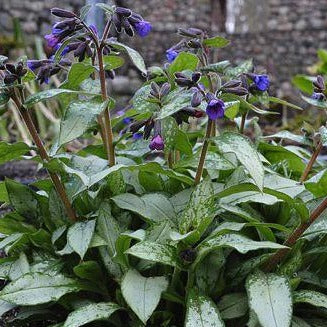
x,y
262,82
137,136
157,143
171,55
52,40
34,64
127,120
215,109
143,28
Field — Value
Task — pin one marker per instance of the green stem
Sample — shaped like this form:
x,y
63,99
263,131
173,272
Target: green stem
x,y
276,258
108,134
243,122
44,155
204,151
311,162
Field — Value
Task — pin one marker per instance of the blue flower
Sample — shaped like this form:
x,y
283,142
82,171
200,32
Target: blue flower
x,y
52,40
127,120
137,136
157,143
215,109
262,82
34,64
143,28
171,55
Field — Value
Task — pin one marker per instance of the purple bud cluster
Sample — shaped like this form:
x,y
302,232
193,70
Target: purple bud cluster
x,y
126,20
319,89
13,73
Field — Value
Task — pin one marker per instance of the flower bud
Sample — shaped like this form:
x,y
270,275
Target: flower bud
x,y
196,99
123,11
165,88
232,83
9,79
62,13
11,68
236,90
196,77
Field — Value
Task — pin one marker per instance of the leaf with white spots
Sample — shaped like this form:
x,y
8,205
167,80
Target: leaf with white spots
x,y
156,252
245,153
142,294
270,298
312,297
202,312
89,313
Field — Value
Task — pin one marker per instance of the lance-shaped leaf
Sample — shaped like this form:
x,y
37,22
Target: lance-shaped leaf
x,y
156,252
270,298
202,312
312,297
142,294
79,236
199,212
216,42
10,152
184,61
91,312
136,58
39,288
77,74
78,118
245,153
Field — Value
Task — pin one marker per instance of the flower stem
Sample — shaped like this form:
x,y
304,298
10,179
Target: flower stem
x,y
44,156
204,151
311,162
108,134
292,239
243,123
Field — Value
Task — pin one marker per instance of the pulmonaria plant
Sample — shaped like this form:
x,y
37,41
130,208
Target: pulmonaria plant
x,y
170,216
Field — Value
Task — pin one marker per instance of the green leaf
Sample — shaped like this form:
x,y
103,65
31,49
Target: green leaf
x,y
311,297
298,322
233,305
238,242
142,294
4,98
184,61
91,312
216,42
154,207
108,9
112,62
303,83
79,236
77,74
290,136
175,101
78,118
245,153
243,67
199,212
109,230
48,94
136,58
218,67
89,270
23,199
9,151
38,288
155,252
317,184
232,109
284,103
270,298
201,311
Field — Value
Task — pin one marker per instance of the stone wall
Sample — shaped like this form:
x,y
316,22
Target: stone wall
x,y
284,40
